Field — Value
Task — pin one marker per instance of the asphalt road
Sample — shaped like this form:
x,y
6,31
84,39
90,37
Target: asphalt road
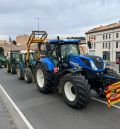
x,y
50,111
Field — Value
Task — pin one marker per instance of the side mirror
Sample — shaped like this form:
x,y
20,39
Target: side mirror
x,y
48,46
89,44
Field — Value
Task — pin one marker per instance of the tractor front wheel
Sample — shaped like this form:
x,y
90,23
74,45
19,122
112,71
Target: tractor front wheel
x,y
8,68
76,90
13,68
43,79
19,73
27,75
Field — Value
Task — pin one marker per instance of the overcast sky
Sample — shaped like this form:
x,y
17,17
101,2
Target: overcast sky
x,y
57,17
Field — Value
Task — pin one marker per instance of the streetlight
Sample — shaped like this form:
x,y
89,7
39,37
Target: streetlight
x,y
38,20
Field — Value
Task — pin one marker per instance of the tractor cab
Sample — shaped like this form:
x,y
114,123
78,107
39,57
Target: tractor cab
x,y
22,56
60,50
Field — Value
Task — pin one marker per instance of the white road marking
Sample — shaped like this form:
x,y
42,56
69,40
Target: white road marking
x,y
118,107
17,109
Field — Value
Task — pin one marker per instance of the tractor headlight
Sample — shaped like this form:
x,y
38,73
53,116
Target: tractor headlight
x,y
93,65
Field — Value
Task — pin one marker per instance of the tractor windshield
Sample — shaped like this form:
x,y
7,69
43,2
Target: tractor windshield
x,y
15,55
31,56
68,49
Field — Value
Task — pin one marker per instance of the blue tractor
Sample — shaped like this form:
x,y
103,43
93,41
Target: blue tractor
x,y
72,74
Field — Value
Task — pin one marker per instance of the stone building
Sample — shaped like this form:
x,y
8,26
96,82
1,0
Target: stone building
x,y
5,45
105,41
22,40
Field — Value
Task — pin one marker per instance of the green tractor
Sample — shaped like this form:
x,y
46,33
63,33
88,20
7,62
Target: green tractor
x,y
22,71
12,61
3,60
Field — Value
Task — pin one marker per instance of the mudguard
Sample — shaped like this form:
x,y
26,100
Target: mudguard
x,y
21,66
49,63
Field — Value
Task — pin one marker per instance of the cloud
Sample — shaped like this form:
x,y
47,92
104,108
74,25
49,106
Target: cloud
x,y
63,17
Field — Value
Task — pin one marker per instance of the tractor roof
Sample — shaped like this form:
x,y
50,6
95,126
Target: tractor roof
x,y
66,41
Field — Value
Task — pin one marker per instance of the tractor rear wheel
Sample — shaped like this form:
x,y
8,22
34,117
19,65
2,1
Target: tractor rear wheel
x,y
43,79
76,90
13,68
27,75
8,68
19,73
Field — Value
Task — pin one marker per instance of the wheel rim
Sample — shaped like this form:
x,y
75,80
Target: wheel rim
x,y
11,69
25,76
69,92
7,67
40,78
18,73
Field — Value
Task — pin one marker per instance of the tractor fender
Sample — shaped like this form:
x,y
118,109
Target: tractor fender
x,y
48,63
21,66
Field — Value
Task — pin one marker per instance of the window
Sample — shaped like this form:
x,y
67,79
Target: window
x,y
116,44
68,49
109,36
94,45
109,45
106,55
106,36
103,45
103,36
94,37
117,35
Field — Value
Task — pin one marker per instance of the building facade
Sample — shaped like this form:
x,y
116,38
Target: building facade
x,y
105,41
22,40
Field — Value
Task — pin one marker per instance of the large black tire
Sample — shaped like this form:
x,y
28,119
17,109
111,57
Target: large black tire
x,y
28,77
13,68
5,66
8,68
75,90
43,79
19,73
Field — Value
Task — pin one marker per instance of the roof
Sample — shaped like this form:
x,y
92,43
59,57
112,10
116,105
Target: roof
x,y
103,28
66,41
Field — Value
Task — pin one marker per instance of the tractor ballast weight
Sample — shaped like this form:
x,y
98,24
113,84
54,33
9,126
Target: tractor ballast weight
x,y
26,70
72,74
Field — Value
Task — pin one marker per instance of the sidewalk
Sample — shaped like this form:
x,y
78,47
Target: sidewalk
x,y
6,121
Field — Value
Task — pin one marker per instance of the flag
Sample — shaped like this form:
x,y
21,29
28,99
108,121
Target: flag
x,y
113,94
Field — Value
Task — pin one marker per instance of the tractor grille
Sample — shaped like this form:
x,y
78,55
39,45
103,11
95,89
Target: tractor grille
x,y
99,65
86,62
98,62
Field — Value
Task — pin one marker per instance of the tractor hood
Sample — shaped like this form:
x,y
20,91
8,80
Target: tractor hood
x,y
93,63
